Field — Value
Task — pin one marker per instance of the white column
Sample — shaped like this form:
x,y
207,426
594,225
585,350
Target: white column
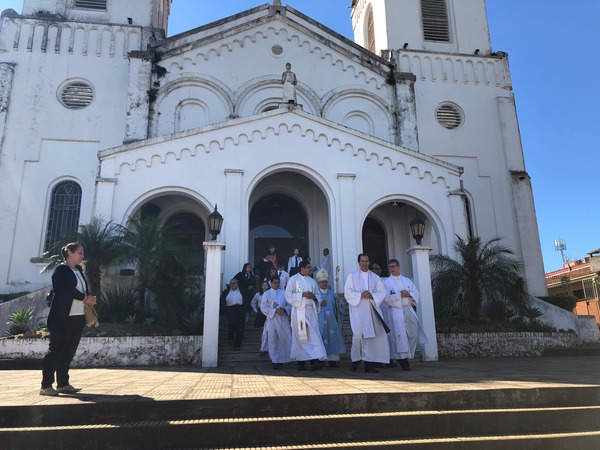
x,y
422,276
235,229
347,238
212,293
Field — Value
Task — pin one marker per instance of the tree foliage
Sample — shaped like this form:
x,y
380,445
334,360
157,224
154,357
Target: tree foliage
x,y
483,271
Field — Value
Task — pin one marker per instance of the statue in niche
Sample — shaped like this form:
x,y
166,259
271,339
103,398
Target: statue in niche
x,y
289,81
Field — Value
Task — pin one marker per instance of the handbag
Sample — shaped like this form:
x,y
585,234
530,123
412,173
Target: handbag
x,y
91,316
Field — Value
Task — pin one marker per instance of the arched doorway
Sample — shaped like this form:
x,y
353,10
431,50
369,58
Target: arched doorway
x,y
375,243
279,220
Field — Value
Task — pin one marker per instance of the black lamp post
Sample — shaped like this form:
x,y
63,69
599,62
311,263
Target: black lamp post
x,y
417,228
215,222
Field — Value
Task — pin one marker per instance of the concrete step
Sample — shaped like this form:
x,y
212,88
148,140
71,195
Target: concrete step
x,y
521,418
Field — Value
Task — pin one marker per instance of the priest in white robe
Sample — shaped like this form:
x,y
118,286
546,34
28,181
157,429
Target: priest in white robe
x,y
402,298
365,292
307,344
277,326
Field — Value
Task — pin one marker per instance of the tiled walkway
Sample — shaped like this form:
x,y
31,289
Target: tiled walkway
x,y
21,387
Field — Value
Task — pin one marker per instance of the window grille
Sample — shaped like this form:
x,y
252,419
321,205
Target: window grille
x,y
370,31
98,5
449,116
63,219
77,95
435,20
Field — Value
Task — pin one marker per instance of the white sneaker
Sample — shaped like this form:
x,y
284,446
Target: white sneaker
x,y
68,389
49,391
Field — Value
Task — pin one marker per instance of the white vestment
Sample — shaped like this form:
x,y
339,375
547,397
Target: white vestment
x,y
402,318
306,337
277,326
369,339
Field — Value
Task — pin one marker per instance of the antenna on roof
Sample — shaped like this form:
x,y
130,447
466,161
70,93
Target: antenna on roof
x,y
561,246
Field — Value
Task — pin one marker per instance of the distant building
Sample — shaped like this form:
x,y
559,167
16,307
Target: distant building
x,y
579,278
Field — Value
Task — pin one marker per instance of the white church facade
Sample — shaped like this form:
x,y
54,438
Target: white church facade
x,y
101,114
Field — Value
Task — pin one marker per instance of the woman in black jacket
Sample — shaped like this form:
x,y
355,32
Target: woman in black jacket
x,y
66,320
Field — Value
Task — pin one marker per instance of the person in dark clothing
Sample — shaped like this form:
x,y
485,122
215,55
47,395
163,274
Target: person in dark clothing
x,y
247,283
233,304
66,320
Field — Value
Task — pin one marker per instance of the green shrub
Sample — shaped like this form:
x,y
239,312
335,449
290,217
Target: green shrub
x,y
194,322
18,321
117,303
564,301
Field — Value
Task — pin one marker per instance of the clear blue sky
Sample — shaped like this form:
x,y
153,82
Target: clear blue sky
x,y
551,45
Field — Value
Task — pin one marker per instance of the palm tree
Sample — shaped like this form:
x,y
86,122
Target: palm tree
x,y
145,242
483,271
102,244
165,268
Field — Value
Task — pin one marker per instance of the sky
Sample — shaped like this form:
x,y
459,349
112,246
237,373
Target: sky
x,y
555,81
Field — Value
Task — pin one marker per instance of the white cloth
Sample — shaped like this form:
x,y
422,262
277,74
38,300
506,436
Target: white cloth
x,y
284,277
277,326
77,306
402,318
292,262
326,265
306,337
369,339
234,298
255,302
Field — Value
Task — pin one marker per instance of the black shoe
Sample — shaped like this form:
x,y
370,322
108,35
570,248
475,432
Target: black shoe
x,y
404,364
277,366
316,365
392,364
262,354
370,368
334,364
301,366
354,365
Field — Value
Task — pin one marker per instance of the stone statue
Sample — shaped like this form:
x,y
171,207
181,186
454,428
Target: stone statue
x,y
289,81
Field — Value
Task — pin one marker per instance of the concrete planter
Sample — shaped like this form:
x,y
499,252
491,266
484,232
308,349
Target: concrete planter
x,y
115,351
466,345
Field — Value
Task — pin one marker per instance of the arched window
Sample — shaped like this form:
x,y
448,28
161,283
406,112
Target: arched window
x,y
370,31
65,206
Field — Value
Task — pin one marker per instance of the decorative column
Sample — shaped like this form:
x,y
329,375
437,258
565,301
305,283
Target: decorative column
x,y
406,111
212,294
139,100
347,237
235,231
422,275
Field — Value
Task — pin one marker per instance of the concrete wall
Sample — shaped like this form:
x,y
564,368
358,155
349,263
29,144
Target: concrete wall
x,y
467,345
115,351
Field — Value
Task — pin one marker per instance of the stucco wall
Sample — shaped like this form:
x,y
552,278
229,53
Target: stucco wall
x,y
466,345
115,351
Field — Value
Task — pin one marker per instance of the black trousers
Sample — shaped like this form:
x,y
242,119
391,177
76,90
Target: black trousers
x,y
63,345
236,319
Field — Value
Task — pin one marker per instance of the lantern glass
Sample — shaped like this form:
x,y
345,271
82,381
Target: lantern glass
x,y
417,228
215,223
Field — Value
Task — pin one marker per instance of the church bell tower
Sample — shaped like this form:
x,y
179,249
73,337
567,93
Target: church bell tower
x,y
453,26
142,13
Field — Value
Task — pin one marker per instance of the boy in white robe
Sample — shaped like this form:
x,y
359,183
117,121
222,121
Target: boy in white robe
x,y
402,297
307,344
364,292
277,325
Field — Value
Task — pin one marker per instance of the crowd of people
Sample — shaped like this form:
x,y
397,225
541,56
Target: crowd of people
x,y
301,316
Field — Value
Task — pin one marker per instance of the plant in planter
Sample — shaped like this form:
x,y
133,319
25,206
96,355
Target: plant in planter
x,y
483,271
19,322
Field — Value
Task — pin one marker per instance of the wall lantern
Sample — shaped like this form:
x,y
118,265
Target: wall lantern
x,y
215,222
417,228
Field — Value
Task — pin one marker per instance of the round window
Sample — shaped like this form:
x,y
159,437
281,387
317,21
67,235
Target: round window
x,y
449,116
76,95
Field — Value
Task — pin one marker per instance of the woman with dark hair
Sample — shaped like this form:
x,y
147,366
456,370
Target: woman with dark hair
x,y
66,320
247,283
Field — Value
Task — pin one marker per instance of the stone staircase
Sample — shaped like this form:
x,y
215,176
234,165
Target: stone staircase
x,y
543,418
